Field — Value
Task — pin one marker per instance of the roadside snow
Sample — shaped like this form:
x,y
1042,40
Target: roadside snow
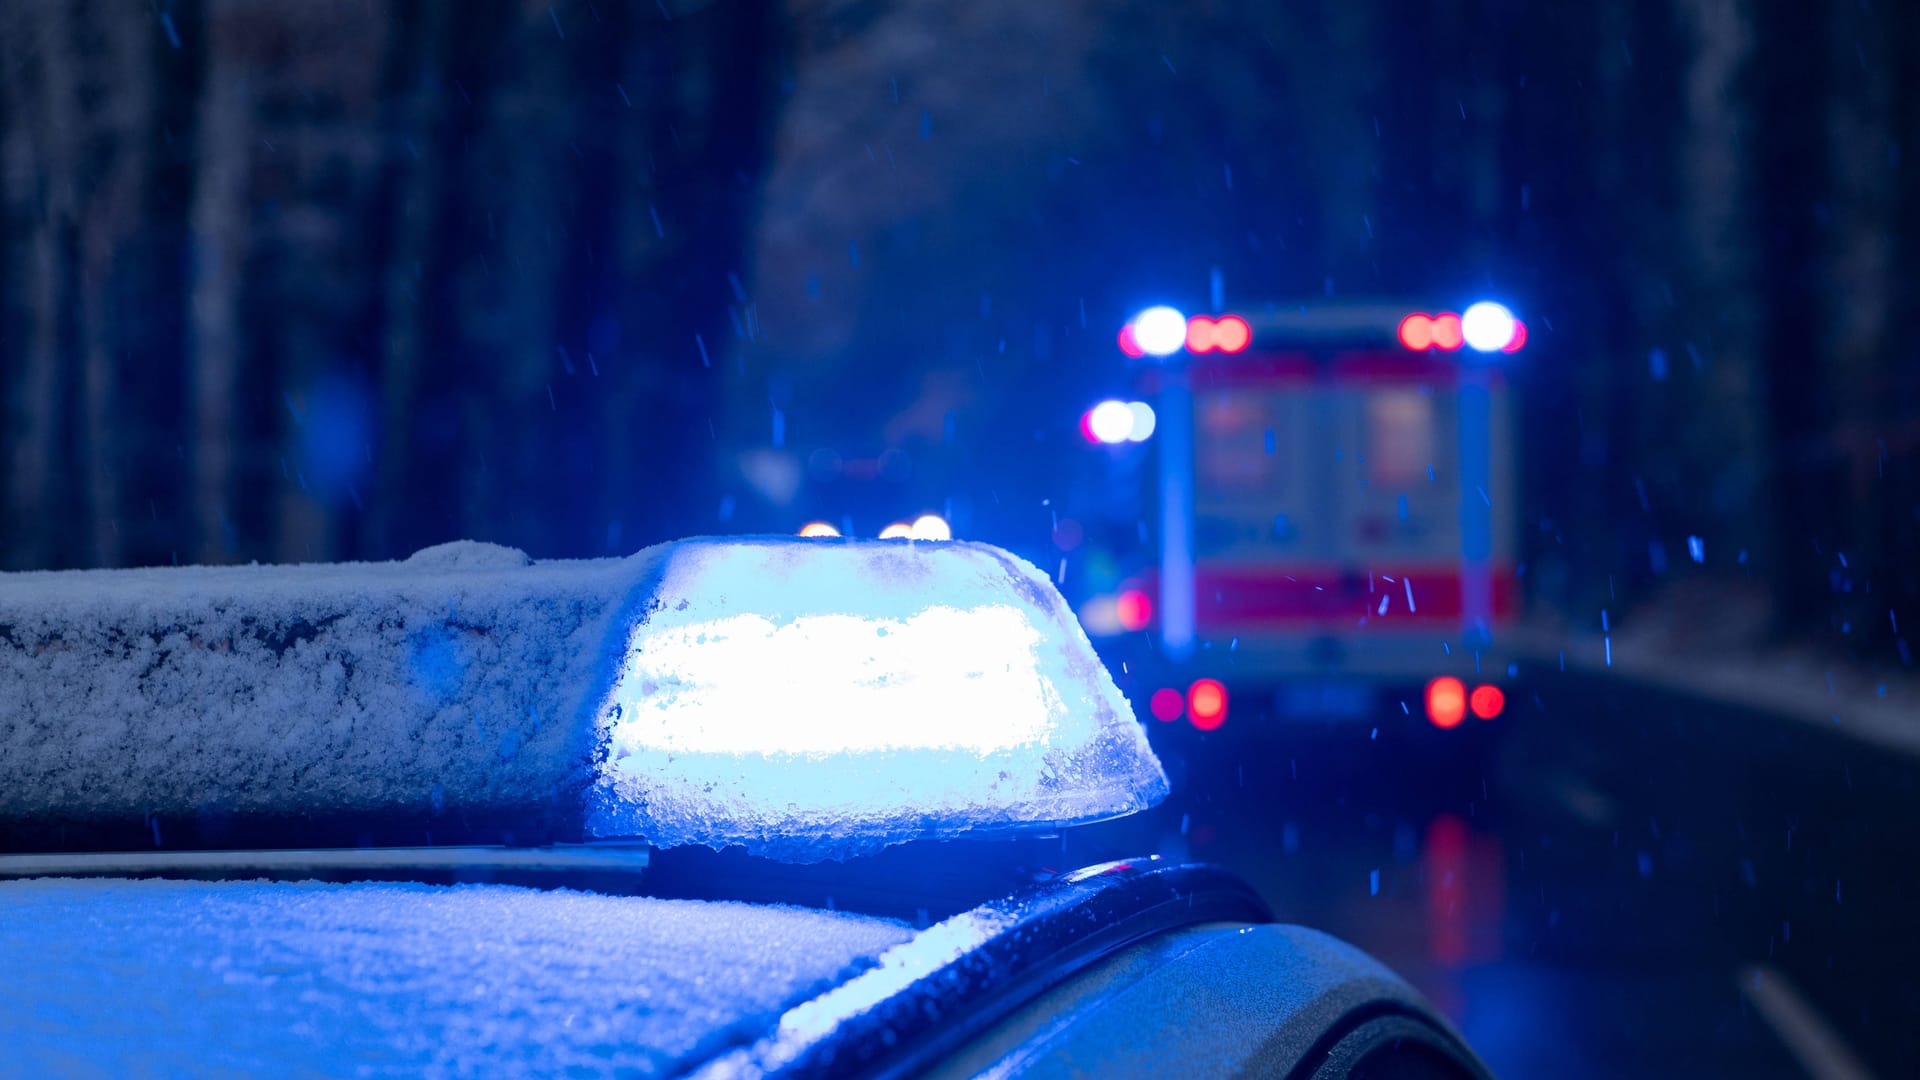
x,y
808,699
1795,683
170,978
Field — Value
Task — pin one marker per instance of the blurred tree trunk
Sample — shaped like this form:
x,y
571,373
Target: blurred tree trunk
x,y
518,344
1594,533
1900,523
1722,493
42,156
221,218
415,100
697,171
1858,259
80,91
115,264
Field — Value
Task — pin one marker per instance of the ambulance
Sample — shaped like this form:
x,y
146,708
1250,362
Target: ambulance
x,y
1324,498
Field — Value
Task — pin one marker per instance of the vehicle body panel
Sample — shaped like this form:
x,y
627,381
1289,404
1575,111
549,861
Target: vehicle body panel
x,y
398,977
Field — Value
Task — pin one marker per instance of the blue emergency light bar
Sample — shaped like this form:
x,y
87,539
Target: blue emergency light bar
x,y
804,698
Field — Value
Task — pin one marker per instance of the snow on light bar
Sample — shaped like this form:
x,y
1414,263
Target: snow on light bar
x,y
806,698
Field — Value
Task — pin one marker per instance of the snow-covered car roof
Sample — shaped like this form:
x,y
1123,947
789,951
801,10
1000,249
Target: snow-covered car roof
x,y
123,976
174,978
800,700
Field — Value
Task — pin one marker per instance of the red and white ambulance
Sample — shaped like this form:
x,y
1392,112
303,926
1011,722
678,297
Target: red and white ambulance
x,y
1330,512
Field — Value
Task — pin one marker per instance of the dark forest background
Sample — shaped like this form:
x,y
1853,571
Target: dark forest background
x,y
315,280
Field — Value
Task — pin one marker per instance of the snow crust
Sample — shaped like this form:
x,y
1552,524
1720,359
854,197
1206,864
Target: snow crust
x,y
450,682
170,978
808,699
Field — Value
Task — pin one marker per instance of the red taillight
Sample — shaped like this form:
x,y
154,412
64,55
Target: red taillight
x,y
1128,345
1207,704
1134,609
1232,334
1200,330
1446,702
1229,334
1167,704
1416,332
1487,701
1446,332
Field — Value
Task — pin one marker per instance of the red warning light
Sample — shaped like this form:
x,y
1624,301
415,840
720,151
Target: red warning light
x,y
1167,704
1447,334
1134,609
1207,704
1200,334
1446,702
1487,701
1128,345
1232,334
1416,332
1519,337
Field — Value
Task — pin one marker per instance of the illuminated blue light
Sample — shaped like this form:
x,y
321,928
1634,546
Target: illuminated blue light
x,y
815,701
1160,331
1487,327
1111,422
1143,421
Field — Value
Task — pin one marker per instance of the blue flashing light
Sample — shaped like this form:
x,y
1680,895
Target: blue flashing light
x,y
1160,331
1111,422
1143,421
1488,327
813,701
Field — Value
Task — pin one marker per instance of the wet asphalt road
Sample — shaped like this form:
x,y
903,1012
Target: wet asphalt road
x,y
1611,880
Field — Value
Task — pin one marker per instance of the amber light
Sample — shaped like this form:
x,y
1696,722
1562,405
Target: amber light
x,y
1446,702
